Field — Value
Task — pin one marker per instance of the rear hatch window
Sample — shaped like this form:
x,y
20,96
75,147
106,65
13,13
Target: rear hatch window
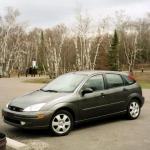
x,y
129,79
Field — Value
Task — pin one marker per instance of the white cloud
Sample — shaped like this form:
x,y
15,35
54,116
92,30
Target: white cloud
x,y
44,13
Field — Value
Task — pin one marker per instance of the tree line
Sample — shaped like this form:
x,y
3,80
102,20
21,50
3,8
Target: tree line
x,y
115,43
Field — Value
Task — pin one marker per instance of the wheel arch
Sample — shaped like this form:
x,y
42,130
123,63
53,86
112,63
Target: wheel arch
x,y
67,107
136,97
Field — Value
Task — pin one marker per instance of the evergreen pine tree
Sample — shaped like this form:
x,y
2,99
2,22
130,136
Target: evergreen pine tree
x,y
41,52
113,53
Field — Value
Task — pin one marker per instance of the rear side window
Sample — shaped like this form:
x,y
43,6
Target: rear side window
x,y
129,79
114,80
95,82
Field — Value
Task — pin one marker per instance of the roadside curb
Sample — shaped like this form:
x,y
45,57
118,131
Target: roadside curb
x,y
32,145
16,145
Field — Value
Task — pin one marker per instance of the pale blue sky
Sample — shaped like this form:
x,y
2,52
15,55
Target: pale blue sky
x,y
45,13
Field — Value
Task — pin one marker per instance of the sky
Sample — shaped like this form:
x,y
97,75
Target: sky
x,y
47,13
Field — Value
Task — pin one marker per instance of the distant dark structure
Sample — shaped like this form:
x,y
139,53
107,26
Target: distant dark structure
x,y
32,71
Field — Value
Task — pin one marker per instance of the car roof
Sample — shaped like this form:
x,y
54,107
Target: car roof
x,y
93,72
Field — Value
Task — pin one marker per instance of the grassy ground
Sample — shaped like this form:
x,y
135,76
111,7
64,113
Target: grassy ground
x,y
37,80
142,78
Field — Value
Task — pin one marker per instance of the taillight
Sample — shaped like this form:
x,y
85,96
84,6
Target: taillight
x,y
131,77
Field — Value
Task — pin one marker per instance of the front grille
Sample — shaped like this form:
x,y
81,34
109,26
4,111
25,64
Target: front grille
x,y
14,108
12,120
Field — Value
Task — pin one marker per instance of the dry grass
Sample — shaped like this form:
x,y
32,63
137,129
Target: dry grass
x,y
37,80
143,79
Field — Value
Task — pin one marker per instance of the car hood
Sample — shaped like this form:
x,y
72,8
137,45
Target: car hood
x,y
37,97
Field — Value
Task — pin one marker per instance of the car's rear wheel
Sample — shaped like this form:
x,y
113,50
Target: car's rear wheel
x,y
133,109
61,123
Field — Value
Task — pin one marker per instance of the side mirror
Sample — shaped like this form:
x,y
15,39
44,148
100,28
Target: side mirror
x,y
87,90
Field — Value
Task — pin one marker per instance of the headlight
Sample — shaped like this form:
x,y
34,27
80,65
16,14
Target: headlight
x,y
35,107
7,105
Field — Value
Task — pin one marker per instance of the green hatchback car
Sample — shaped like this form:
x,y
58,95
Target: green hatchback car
x,y
76,97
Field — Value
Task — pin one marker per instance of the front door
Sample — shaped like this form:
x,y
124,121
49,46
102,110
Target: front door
x,y
90,103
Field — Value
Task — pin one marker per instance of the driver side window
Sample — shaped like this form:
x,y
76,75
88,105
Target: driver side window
x,y
96,83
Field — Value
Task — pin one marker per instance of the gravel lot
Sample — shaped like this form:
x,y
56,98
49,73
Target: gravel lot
x,y
115,133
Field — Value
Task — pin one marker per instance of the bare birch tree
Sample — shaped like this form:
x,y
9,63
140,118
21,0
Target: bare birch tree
x,y
10,46
54,45
131,48
82,42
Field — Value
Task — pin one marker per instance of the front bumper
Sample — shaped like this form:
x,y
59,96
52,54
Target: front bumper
x,y
31,120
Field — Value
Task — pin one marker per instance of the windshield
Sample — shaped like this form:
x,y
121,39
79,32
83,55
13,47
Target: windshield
x,y
64,83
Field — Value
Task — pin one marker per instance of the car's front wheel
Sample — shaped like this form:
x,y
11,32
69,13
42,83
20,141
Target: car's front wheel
x,y
61,123
133,109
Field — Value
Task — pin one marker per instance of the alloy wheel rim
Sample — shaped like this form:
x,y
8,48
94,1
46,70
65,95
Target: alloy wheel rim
x,y
61,123
134,109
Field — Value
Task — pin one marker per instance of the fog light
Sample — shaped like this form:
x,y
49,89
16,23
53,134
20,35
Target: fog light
x,y
22,123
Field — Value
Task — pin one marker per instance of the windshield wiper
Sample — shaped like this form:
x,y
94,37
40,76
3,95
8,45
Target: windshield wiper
x,y
49,90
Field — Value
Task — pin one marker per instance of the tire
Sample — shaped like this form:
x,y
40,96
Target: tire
x,y
61,123
133,109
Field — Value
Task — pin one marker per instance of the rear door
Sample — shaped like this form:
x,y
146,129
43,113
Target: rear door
x,y
115,94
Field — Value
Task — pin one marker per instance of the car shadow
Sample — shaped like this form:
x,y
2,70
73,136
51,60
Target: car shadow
x,y
21,134
100,122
